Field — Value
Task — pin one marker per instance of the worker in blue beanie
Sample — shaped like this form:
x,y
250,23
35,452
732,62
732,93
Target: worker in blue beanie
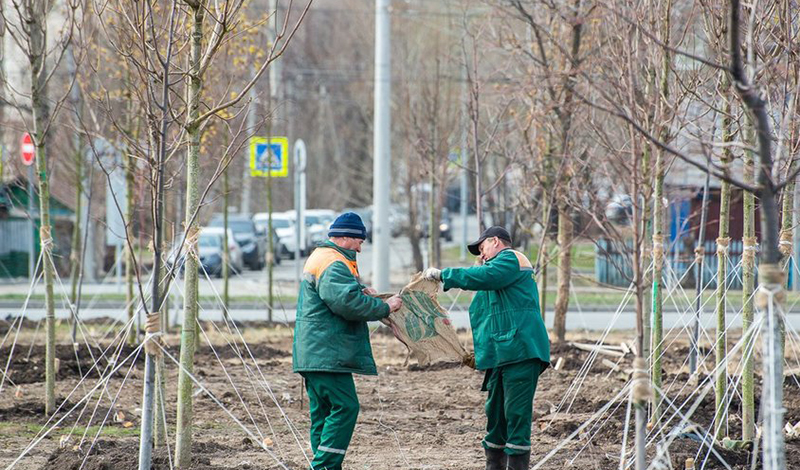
x,y
331,337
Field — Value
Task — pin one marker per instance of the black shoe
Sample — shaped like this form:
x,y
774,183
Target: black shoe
x,y
495,459
519,462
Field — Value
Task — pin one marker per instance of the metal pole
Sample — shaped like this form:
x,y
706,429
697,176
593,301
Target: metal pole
x,y
88,253
464,175
772,279
698,275
244,206
299,203
148,394
640,395
146,437
382,147
32,226
274,67
796,243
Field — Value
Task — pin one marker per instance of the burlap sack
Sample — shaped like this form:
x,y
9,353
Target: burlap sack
x,y
423,326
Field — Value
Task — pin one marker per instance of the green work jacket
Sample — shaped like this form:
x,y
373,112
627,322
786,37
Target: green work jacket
x,y
330,332
506,321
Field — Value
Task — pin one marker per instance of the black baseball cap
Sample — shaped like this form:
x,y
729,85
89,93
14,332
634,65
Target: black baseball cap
x,y
490,232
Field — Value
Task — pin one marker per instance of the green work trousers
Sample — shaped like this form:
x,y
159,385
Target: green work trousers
x,y
333,406
509,406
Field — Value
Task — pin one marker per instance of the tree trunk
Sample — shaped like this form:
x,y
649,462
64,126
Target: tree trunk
x,y
129,255
159,414
75,250
226,251
646,231
770,274
543,287
723,242
129,163
787,235
565,226
657,344
543,255
160,428
564,269
183,433
478,185
37,22
546,211
431,215
413,235
749,243
658,268
2,92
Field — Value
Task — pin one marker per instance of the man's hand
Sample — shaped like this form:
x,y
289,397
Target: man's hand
x,y
432,274
395,302
370,291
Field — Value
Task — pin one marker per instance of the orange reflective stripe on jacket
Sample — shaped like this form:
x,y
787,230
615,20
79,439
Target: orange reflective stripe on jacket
x,y
524,262
323,257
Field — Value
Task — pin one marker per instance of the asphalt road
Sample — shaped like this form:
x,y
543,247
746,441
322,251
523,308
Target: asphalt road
x,y
254,283
576,320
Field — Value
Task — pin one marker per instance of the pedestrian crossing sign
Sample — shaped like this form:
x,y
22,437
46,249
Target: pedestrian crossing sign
x,y
269,155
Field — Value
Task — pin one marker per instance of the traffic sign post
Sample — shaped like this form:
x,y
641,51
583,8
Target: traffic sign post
x,y
269,155
28,154
299,203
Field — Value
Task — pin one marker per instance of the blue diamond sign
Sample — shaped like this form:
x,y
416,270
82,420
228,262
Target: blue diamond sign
x,y
269,155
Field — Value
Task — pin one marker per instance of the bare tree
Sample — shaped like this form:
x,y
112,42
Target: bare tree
x,y
558,66
26,24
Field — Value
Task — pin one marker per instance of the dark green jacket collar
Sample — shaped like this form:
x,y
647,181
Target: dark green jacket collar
x,y
349,254
509,249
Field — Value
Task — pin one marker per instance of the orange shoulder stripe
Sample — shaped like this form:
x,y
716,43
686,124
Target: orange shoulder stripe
x,y
524,262
322,258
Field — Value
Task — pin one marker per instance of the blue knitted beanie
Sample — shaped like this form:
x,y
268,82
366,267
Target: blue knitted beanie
x,y
348,224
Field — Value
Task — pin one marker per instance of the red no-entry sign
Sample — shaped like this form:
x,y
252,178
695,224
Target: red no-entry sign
x,y
28,150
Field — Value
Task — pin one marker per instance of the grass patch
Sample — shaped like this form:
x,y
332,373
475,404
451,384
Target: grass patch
x,y
610,298
30,430
583,255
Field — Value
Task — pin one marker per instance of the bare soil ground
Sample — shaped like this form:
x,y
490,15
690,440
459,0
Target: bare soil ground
x,y
411,417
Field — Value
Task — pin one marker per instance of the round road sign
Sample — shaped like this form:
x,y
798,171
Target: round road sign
x,y
28,150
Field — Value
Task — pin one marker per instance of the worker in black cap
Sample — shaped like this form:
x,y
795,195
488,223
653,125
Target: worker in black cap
x,y
510,340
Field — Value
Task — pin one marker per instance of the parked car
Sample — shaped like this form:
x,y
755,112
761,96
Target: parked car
x,y
285,226
318,221
445,226
210,251
235,252
252,240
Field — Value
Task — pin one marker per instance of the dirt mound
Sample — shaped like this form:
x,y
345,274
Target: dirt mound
x,y
34,411
124,455
574,358
247,324
71,363
418,415
25,411
100,321
683,448
6,324
259,350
